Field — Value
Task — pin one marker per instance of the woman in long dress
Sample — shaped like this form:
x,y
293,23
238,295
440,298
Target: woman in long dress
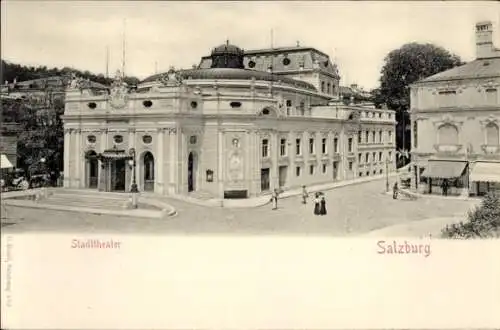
x,y
317,206
322,210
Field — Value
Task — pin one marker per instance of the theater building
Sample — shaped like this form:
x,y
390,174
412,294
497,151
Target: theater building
x,y
239,125
455,124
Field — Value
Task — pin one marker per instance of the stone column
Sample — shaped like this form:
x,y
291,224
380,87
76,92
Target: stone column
x,y
248,161
220,163
172,189
291,158
159,168
104,139
67,157
78,158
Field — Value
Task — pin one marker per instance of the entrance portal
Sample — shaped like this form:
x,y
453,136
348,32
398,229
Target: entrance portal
x,y
91,170
282,175
118,168
149,172
264,179
191,174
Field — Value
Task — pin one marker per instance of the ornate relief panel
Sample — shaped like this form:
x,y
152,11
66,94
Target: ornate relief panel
x,y
235,160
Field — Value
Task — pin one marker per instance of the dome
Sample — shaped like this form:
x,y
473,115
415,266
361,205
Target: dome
x,y
227,48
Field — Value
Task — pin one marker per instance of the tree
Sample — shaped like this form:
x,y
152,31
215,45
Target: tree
x,y
404,66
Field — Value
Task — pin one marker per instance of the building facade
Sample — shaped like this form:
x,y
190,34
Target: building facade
x,y
228,129
455,123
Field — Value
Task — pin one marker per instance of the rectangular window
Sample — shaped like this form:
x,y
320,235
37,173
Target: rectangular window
x,y
311,169
415,134
491,96
360,135
380,156
367,158
283,147
323,146
335,145
380,136
297,171
324,168
298,150
349,145
447,98
265,148
390,156
367,137
390,137
367,173
288,103
311,146
374,138
360,174
360,158
350,166
374,157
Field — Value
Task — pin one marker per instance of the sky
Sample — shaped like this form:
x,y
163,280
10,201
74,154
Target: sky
x,y
357,35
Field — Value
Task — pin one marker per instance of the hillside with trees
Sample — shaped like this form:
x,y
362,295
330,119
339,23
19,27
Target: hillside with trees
x,y
41,134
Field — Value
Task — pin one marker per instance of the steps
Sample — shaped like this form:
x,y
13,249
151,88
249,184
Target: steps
x,y
87,201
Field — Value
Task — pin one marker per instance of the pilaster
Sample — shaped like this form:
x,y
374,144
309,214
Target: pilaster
x,y
159,167
67,157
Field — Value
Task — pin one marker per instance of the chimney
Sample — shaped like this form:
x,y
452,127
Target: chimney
x,y
484,41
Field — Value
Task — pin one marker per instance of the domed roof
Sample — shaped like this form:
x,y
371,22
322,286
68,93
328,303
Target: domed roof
x,y
227,48
237,74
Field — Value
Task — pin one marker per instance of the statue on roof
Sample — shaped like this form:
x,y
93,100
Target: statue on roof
x,y
118,95
171,78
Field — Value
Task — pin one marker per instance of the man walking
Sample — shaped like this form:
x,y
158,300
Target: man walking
x,y
305,195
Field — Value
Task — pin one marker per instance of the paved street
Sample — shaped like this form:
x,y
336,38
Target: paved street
x,y
352,210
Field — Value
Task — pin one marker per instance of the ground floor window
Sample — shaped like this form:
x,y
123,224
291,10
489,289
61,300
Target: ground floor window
x,y
324,168
297,171
311,169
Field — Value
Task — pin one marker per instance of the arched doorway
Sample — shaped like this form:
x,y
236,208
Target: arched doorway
x,y
191,172
149,171
91,170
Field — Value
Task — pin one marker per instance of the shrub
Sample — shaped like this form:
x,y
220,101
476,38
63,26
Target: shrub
x,y
483,221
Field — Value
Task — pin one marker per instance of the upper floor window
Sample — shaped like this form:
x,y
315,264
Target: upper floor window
x,y
447,98
367,157
283,147
360,135
265,148
298,144
360,158
390,136
380,156
311,146
492,137
447,135
336,144
380,136
374,137
349,145
323,146
491,96
367,140
374,157
322,86
328,88
288,103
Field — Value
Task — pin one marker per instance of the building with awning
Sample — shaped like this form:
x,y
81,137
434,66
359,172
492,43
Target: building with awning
x,y
485,176
455,116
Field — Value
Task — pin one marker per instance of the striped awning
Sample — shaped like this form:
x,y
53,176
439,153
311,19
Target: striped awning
x,y
114,154
485,172
442,169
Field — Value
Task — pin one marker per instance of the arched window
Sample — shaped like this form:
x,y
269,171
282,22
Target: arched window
x,y
328,88
149,171
322,86
448,135
492,137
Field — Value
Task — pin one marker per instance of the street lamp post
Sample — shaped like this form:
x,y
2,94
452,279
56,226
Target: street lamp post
x,y
386,174
133,188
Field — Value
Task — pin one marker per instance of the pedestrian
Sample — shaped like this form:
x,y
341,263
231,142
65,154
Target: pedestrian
x,y
445,186
322,210
305,195
395,191
317,206
274,199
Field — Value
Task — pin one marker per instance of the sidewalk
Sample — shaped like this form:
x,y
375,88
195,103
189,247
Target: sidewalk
x,y
420,228
420,195
265,199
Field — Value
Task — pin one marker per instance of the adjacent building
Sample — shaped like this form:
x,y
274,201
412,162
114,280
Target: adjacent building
x,y
241,124
455,123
